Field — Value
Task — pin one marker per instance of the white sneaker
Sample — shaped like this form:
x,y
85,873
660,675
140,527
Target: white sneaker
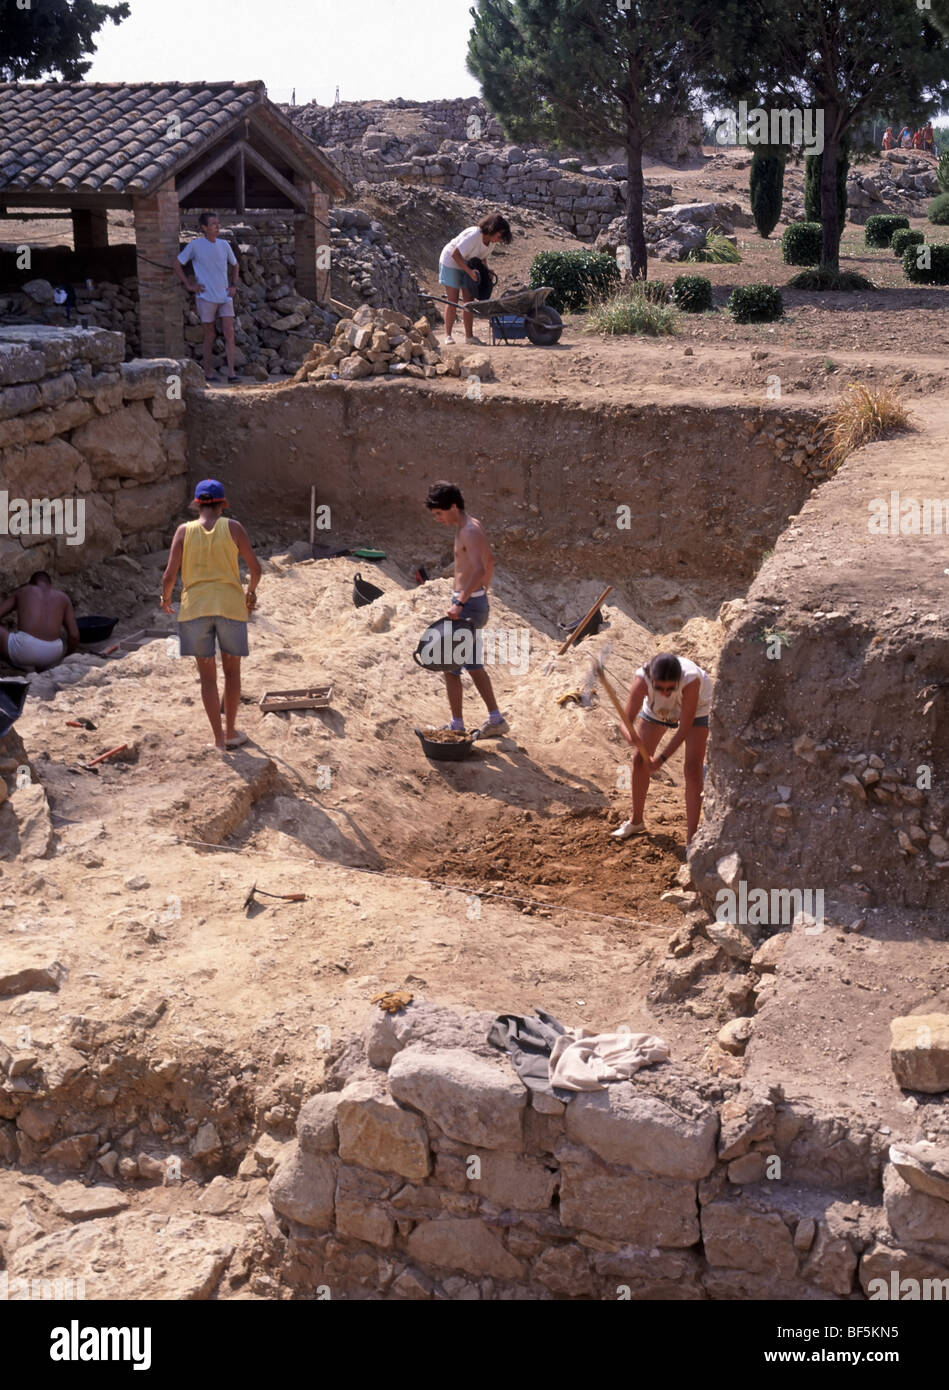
x,y
627,829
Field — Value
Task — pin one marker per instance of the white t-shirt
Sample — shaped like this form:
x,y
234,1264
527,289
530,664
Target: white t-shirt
x,y
469,242
669,707
210,260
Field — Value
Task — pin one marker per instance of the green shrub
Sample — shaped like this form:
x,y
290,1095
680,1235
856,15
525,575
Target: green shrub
x,y
693,293
801,243
755,304
631,309
880,228
935,264
576,277
717,249
938,210
817,278
942,171
903,237
766,186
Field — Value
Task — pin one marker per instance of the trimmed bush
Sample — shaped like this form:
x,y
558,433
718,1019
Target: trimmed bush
x,y
576,277
693,293
880,228
938,210
755,304
934,269
801,243
903,237
766,186
817,278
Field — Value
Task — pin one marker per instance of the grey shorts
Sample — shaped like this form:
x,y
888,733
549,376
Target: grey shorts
x,y
197,635
476,612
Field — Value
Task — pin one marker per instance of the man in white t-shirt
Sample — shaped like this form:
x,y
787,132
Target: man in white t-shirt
x,y
669,692
214,264
457,275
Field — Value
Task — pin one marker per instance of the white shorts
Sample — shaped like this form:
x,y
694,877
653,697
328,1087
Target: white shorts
x,y
26,651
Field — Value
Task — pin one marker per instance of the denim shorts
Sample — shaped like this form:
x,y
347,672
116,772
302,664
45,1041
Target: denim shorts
x,y
475,611
197,635
700,722
454,277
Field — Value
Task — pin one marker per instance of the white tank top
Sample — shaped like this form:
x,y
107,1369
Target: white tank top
x,y
669,707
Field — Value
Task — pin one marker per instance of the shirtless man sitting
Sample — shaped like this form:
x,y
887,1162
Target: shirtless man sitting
x,y
474,570
41,613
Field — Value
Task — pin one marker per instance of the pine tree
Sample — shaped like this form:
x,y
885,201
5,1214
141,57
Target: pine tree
x,y
837,59
51,37
590,74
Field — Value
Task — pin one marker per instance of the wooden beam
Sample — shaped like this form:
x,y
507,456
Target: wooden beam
x,y
186,186
239,193
278,180
10,198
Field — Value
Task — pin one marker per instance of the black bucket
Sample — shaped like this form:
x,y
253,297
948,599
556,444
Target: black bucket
x,y
445,645
12,700
454,752
364,592
94,629
591,629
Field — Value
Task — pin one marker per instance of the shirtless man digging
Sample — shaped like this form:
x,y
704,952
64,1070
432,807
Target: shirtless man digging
x,y
474,570
42,613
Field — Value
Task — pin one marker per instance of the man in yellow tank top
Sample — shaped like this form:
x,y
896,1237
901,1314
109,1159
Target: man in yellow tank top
x,y
213,603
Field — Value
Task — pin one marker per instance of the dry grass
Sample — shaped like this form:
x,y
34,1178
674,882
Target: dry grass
x,y
862,415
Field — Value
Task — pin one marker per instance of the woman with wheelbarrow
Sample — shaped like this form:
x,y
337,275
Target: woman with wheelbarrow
x,y
455,273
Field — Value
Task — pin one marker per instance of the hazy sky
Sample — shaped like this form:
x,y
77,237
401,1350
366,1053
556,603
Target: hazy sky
x,y
369,48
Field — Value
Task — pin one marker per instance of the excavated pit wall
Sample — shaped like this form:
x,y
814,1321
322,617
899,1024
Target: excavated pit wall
x,y
708,488
432,1172
830,736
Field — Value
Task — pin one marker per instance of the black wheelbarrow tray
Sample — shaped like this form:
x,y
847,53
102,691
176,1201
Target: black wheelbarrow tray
x,y
526,308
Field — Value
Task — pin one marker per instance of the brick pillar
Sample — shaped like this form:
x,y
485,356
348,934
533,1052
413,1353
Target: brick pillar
x,y
160,297
311,240
90,229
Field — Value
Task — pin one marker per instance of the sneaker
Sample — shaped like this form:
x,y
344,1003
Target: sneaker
x,y
471,342
493,729
450,729
627,829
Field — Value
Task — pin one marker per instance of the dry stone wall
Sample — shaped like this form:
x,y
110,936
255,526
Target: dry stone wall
x,y
77,422
430,1171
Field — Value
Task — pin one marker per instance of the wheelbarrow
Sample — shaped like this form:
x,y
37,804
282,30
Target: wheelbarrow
x,y
517,313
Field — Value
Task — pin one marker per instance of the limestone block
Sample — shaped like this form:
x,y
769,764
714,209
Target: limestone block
x,y
459,1243
919,1052
316,1123
622,1205
124,444
304,1188
623,1125
377,1133
470,1099
738,1237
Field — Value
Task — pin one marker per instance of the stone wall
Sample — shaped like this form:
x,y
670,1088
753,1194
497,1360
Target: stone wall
x,y
426,1169
76,421
276,326
459,145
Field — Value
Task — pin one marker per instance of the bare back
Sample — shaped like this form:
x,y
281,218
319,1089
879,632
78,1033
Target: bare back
x,y
474,563
43,612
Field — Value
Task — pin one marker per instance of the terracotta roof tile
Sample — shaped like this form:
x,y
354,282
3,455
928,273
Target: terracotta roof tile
x,y
88,137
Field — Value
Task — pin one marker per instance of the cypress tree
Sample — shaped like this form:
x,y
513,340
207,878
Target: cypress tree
x,y
767,186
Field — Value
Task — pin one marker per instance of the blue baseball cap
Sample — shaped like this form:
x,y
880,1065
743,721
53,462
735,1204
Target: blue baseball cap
x,y
210,490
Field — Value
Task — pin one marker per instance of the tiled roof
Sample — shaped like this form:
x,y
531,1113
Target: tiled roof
x,y
113,137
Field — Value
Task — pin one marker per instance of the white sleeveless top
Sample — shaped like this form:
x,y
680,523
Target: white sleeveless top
x,y
669,707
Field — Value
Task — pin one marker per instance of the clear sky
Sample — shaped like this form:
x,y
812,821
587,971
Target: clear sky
x,y
368,48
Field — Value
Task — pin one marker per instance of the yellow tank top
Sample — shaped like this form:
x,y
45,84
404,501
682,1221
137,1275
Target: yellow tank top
x,y
210,576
